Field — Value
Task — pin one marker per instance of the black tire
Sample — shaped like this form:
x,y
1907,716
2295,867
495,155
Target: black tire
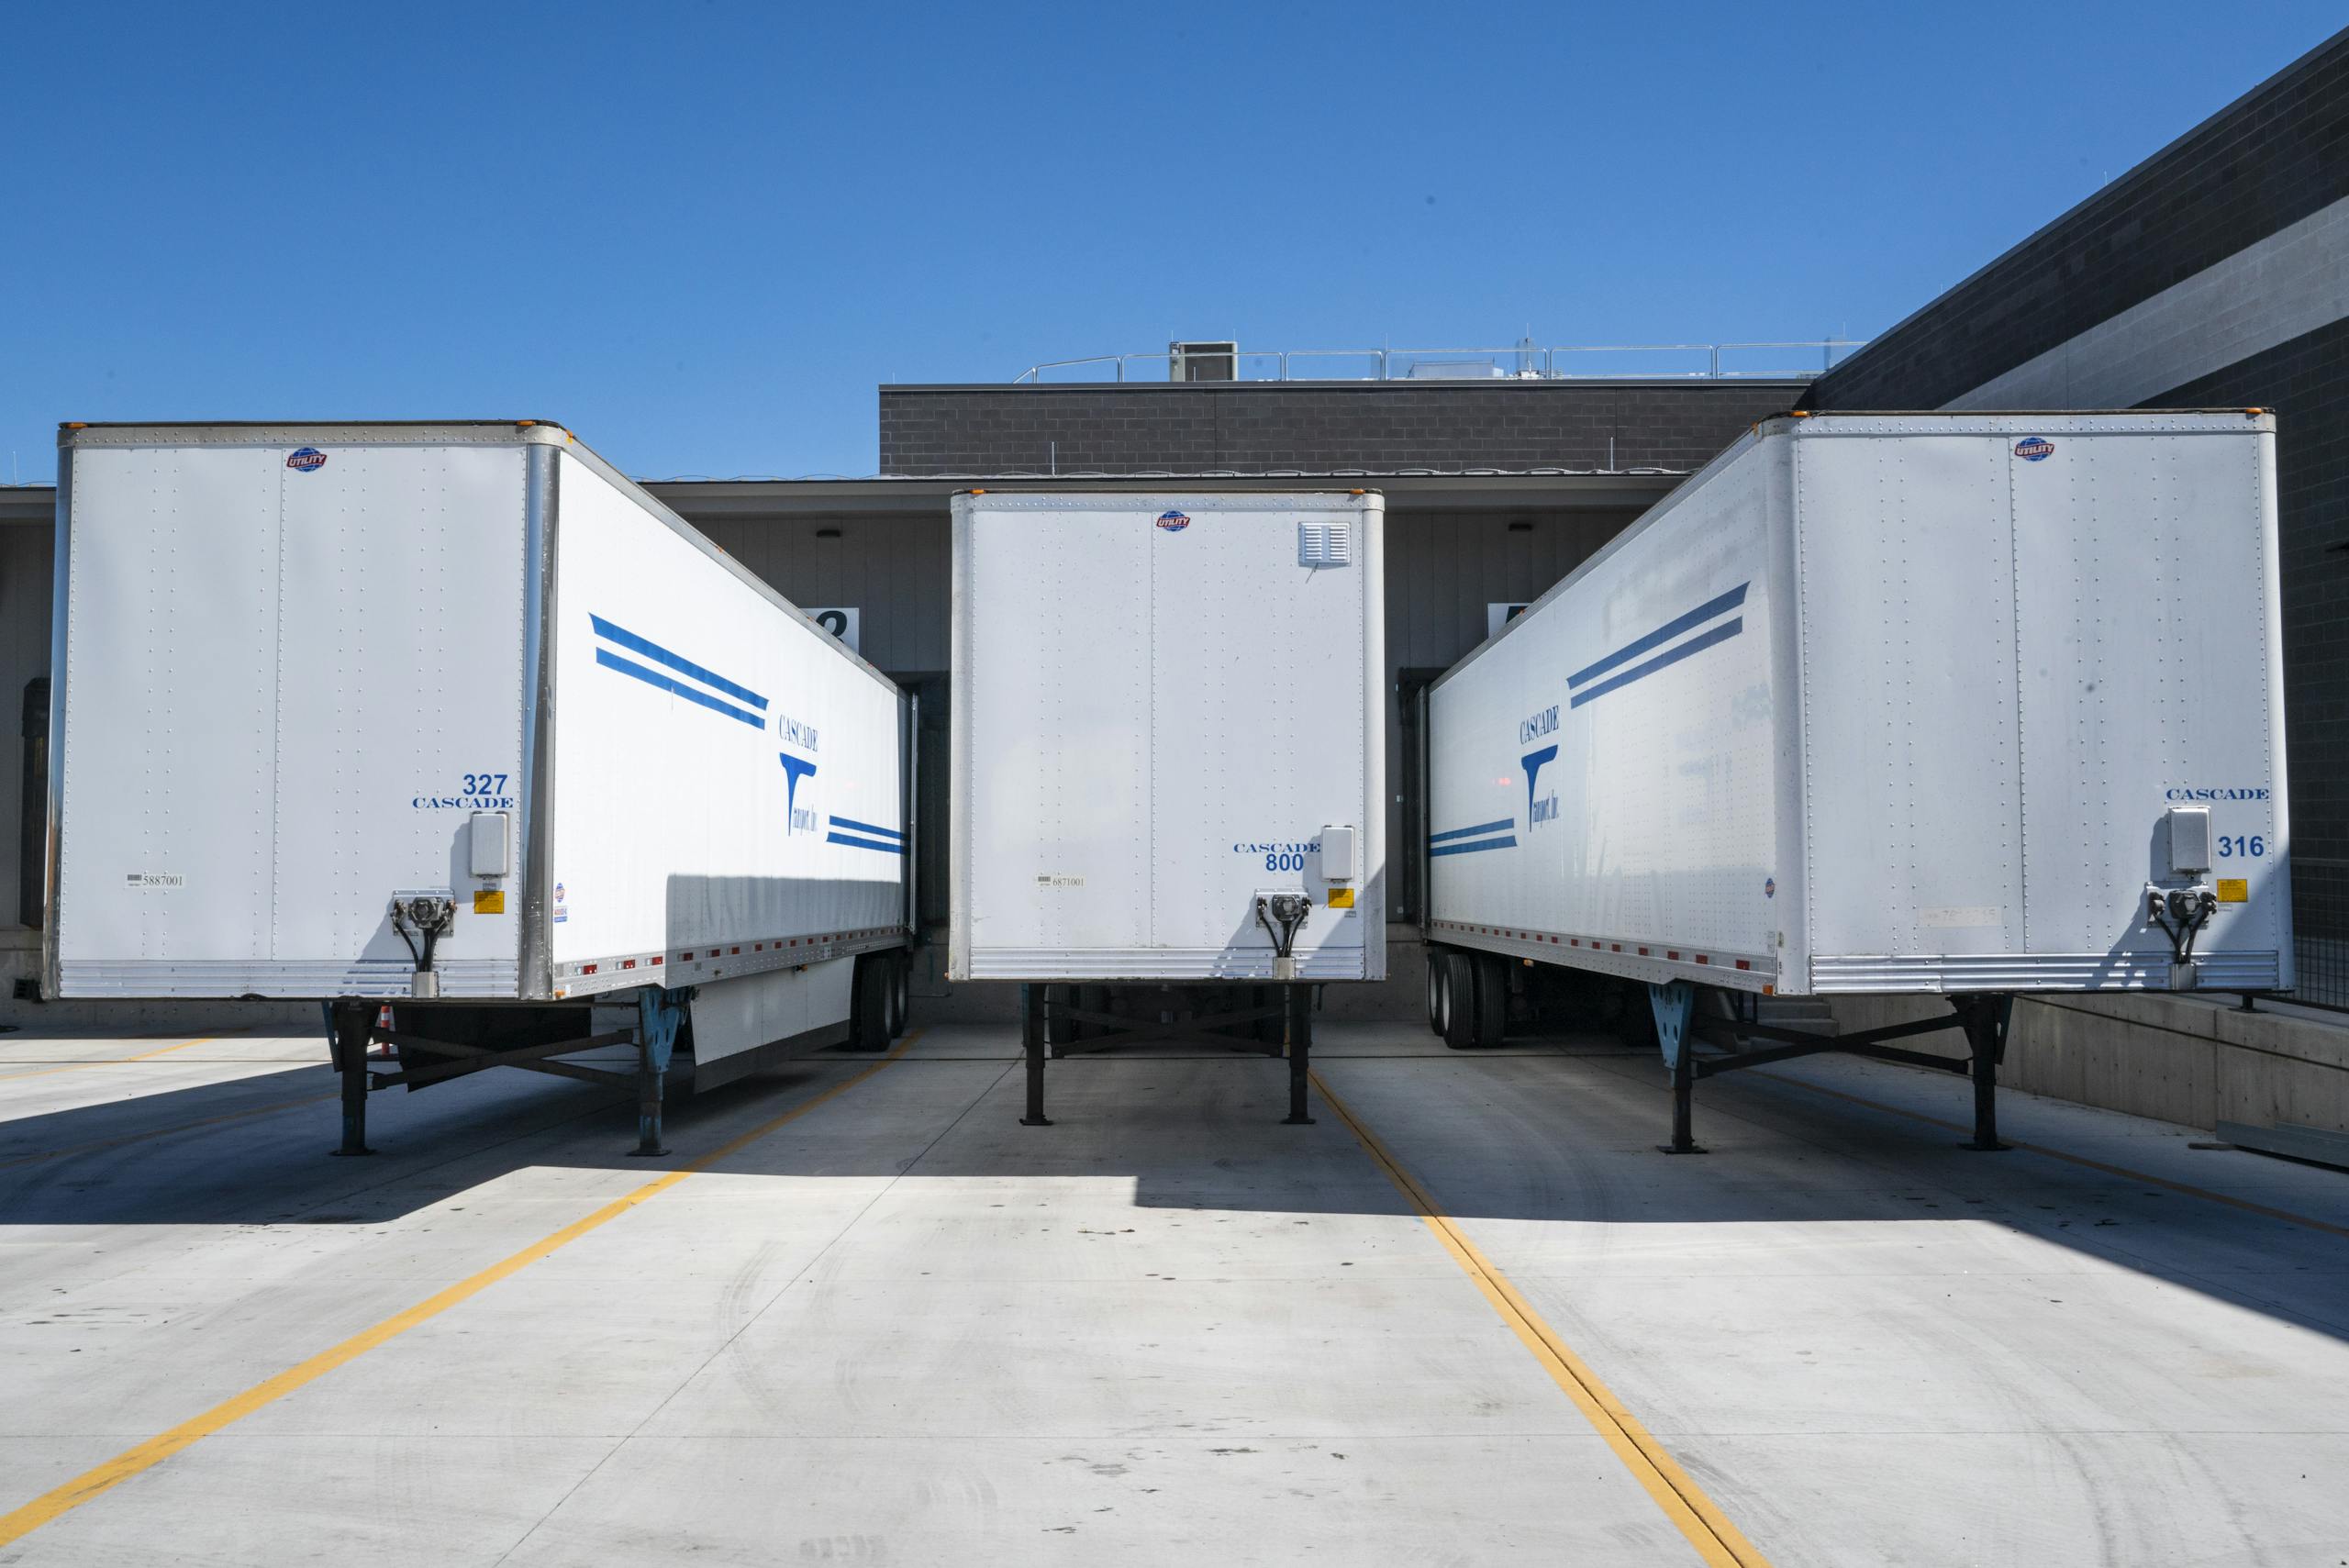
x,y
901,992
1460,1001
1491,1023
1435,990
868,1027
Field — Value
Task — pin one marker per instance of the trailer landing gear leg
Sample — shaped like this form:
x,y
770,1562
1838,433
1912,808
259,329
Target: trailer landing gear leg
x,y
1297,1012
349,1026
658,1013
1984,1020
1032,1036
1675,1004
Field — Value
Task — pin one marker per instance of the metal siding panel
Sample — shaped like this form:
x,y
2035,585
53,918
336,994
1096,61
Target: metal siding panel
x,y
2142,570
437,532
168,737
1908,612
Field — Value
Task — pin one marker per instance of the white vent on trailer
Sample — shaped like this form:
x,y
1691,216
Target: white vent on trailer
x,y
1324,544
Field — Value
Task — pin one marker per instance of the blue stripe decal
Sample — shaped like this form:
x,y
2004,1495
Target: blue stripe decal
x,y
1663,634
1721,633
611,661
1472,832
660,655
1507,843
856,843
868,828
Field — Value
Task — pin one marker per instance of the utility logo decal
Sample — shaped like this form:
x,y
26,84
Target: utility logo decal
x,y
1769,887
1173,522
307,460
561,905
2034,449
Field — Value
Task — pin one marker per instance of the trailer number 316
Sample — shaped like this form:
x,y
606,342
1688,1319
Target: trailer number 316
x,y
2231,848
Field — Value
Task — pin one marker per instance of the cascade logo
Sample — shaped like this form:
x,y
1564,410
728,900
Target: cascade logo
x,y
1543,809
1173,522
794,770
306,459
1544,723
2241,794
2034,449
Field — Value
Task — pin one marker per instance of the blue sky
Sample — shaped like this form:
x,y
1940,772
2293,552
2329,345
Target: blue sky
x,y
702,234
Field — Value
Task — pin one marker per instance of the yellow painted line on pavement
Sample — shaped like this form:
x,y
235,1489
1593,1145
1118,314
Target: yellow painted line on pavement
x,y
107,1061
137,1461
1696,1516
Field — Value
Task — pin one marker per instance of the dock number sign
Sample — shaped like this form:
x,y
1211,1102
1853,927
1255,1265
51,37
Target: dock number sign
x,y
840,622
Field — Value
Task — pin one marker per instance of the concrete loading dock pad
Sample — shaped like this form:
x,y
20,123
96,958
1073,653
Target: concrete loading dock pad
x,y
879,1321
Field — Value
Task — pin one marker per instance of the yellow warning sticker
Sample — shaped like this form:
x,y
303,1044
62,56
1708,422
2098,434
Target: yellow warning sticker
x,y
489,901
1342,898
2233,890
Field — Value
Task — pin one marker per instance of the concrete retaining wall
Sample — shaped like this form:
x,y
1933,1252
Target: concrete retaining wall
x,y
2192,1060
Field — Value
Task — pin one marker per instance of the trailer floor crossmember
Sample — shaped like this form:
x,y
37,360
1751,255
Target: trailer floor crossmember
x,y
1681,1020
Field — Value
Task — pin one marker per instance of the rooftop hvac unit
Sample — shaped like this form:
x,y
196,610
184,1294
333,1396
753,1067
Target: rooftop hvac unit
x,y
1202,361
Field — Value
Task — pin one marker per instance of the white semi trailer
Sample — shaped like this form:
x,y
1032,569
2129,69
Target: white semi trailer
x,y
453,718
1969,705
1169,733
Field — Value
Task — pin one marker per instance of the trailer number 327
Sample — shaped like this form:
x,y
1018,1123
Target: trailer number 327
x,y
484,783
2231,848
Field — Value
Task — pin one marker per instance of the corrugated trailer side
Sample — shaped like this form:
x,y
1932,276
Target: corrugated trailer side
x,y
1963,705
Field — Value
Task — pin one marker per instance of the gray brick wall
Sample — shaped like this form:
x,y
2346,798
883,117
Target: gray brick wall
x,y
1254,428
2270,159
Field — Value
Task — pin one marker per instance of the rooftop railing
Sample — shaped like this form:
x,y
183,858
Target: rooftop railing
x,y
1617,362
